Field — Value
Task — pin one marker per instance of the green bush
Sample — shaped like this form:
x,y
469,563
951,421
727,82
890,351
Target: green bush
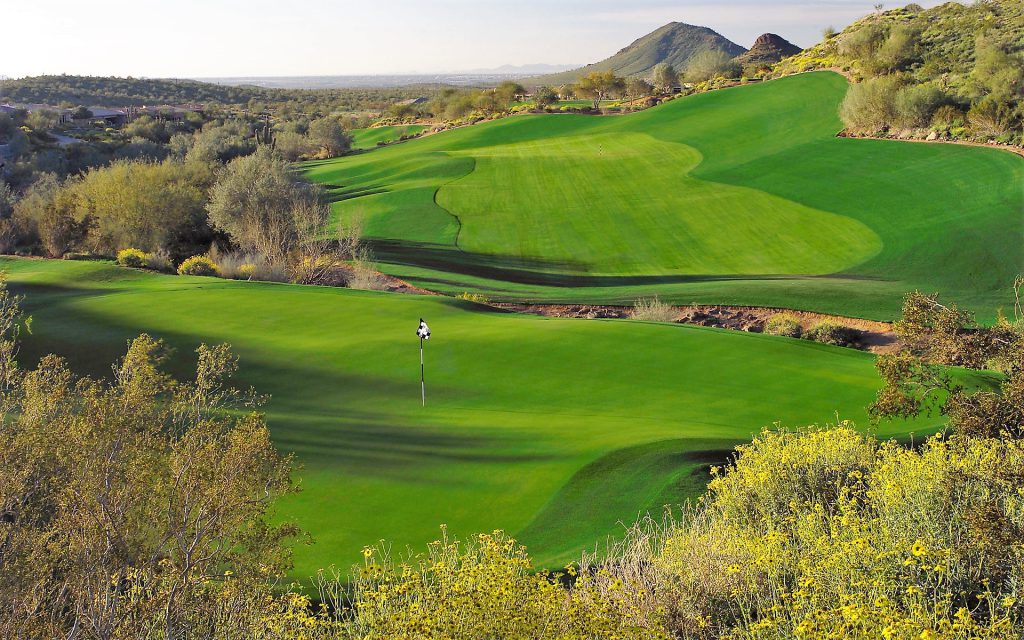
x,y
135,258
198,266
834,334
783,324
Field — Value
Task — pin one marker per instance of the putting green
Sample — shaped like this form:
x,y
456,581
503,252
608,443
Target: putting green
x,y
739,196
585,202
553,429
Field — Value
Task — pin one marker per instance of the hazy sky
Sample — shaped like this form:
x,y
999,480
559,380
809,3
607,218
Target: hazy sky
x,y
197,38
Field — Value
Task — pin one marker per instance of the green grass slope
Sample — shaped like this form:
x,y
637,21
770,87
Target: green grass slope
x,y
368,138
552,429
740,196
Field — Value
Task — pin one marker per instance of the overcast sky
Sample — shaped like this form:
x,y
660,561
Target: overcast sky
x,y
206,38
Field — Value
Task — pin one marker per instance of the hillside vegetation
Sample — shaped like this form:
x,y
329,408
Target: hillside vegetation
x,y
741,196
118,92
952,71
551,429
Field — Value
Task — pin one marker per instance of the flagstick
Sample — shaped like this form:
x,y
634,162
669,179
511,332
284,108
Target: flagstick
x,y
423,385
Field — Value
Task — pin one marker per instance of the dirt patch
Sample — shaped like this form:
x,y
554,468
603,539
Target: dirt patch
x,y
876,337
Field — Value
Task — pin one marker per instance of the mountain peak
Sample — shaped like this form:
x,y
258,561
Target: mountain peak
x,y
768,49
675,43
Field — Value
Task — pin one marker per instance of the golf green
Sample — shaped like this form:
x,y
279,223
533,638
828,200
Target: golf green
x,y
738,196
552,429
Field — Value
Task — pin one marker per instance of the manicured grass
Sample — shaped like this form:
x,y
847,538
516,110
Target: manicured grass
x,y
740,196
368,138
552,429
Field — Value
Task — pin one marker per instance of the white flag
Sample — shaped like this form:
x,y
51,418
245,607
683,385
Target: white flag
x,y
424,331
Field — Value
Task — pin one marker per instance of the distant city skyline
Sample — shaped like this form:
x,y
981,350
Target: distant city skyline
x,y
220,38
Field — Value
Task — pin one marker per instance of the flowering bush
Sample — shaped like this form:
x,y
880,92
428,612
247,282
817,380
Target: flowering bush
x,y
198,266
831,534
132,258
487,588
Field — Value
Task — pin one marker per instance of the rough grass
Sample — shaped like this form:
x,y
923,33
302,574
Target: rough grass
x,y
525,415
739,196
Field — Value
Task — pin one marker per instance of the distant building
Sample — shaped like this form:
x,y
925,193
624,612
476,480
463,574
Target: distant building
x,y
413,101
113,117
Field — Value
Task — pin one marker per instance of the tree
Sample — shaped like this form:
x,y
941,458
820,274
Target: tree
x,y
45,215
599,85
130,505
254,200
144,205
665,77
712,63
81,113
329,136
638,88
935,336
508,91
545,97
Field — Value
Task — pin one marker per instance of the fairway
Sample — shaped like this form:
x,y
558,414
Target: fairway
x,y
738,196
553,429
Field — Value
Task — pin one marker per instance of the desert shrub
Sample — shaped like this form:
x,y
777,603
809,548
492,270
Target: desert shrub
x,y
862,43
230,264
132,258
914,105
653,309
824,534
473,297
991,117
160,260
948,116
365,276
266,271
783,324
870,106
832,333
198,266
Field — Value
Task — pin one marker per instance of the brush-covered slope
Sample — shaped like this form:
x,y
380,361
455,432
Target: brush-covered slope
x,y
739,196
552,429
675,43
953,71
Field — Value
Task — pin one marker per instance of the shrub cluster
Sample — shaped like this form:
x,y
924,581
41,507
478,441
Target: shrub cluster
x,y
783,324
833,334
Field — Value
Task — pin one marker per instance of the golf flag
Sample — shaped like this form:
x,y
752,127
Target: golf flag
x,y
423,333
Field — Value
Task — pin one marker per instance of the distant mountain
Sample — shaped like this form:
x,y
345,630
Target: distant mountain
x,y
522,69
767,50
676,43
